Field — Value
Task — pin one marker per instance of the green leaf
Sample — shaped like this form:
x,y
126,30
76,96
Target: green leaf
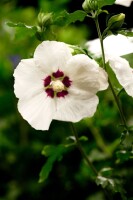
x,y
124,155
64,18
78,15
115,83
102,3
96,155
126,33
113,185
129,58
54,153
104,182
60,18
33,29
107,171
127,140
83,138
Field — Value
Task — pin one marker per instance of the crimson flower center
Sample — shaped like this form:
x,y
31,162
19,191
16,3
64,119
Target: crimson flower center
x,y
57,84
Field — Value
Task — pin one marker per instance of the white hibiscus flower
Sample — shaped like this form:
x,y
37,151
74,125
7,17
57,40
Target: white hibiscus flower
x,y
56,85
126,3
116,46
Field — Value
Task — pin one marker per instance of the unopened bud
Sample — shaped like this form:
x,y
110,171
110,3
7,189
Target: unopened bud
x,y
116,21
90,5
44,19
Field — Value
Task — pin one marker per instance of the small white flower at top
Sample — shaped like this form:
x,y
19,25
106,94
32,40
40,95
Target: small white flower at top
x,y
57,85
126,3
116,46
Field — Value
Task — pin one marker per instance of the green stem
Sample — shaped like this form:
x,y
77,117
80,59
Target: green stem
x,y
101,41
119,106
110,84
87,159
82,150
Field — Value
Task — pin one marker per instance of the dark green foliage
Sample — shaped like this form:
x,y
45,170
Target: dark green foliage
x,y
54,153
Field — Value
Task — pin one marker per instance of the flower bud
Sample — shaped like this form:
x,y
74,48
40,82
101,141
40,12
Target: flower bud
x,y
90,5
116,21
44,19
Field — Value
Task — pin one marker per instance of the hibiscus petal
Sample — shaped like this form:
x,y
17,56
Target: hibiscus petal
x,y
103,77
38,110
72,109
83,72
94,47
86,74
28,78
124,73
51,56
79,93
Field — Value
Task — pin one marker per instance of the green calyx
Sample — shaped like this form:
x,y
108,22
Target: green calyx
x,y
116,22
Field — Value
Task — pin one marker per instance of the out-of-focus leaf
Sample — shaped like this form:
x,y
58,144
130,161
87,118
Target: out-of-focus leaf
x,y
46,5
5,142
102,3
106,171
64,18
83,138
127,140
54,153
32,29
96,196
111,184
104,182
126,33
78,15
124,155
20,24
5,69
96,155
6,102
71,138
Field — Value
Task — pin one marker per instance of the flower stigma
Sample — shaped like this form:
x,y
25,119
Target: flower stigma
x,y
56,85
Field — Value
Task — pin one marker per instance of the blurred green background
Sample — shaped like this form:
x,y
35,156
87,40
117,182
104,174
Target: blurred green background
x,y
21,146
